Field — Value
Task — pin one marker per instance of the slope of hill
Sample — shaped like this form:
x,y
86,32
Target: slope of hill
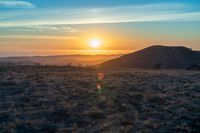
x,y
158,57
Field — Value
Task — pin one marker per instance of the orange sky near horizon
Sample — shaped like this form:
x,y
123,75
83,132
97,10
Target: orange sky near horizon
x,y
45,46
116,39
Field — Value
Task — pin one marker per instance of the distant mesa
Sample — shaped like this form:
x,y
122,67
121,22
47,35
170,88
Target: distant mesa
x,y
158,57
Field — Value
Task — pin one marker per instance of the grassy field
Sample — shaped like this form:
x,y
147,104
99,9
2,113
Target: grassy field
x,y
63,99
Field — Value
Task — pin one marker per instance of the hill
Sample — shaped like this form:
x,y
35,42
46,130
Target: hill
x,y
158,57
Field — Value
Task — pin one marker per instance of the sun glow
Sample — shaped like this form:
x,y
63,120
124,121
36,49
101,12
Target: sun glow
x,y
95,43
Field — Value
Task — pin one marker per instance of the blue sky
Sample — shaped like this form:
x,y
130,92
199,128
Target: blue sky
x,y
97,3
24,23
39,12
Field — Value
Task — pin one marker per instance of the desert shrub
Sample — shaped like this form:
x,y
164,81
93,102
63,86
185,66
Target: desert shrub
x,y
24,129
158,65
97,115
69,65
3,69
4,117
194,67
48,128
59,115
8,83
156,100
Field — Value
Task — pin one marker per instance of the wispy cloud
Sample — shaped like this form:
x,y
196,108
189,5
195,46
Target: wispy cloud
x,y
131,13
52,28
41,37
16,4
42,30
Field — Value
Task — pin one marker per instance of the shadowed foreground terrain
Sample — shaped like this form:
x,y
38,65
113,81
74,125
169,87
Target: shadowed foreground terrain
x,y
63,99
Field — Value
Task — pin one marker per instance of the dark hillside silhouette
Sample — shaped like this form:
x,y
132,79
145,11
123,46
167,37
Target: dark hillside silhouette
x,y
157,57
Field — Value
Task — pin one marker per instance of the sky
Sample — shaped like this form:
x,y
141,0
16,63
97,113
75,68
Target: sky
x,y
63,27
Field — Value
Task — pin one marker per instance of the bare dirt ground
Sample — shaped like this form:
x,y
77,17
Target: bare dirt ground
x,y
63,99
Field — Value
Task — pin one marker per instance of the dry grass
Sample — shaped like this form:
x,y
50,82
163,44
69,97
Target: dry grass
x,y
63,99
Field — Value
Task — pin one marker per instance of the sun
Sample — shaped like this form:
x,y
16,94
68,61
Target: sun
x,y
95,43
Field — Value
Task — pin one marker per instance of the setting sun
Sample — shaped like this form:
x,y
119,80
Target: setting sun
x,y
95,43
